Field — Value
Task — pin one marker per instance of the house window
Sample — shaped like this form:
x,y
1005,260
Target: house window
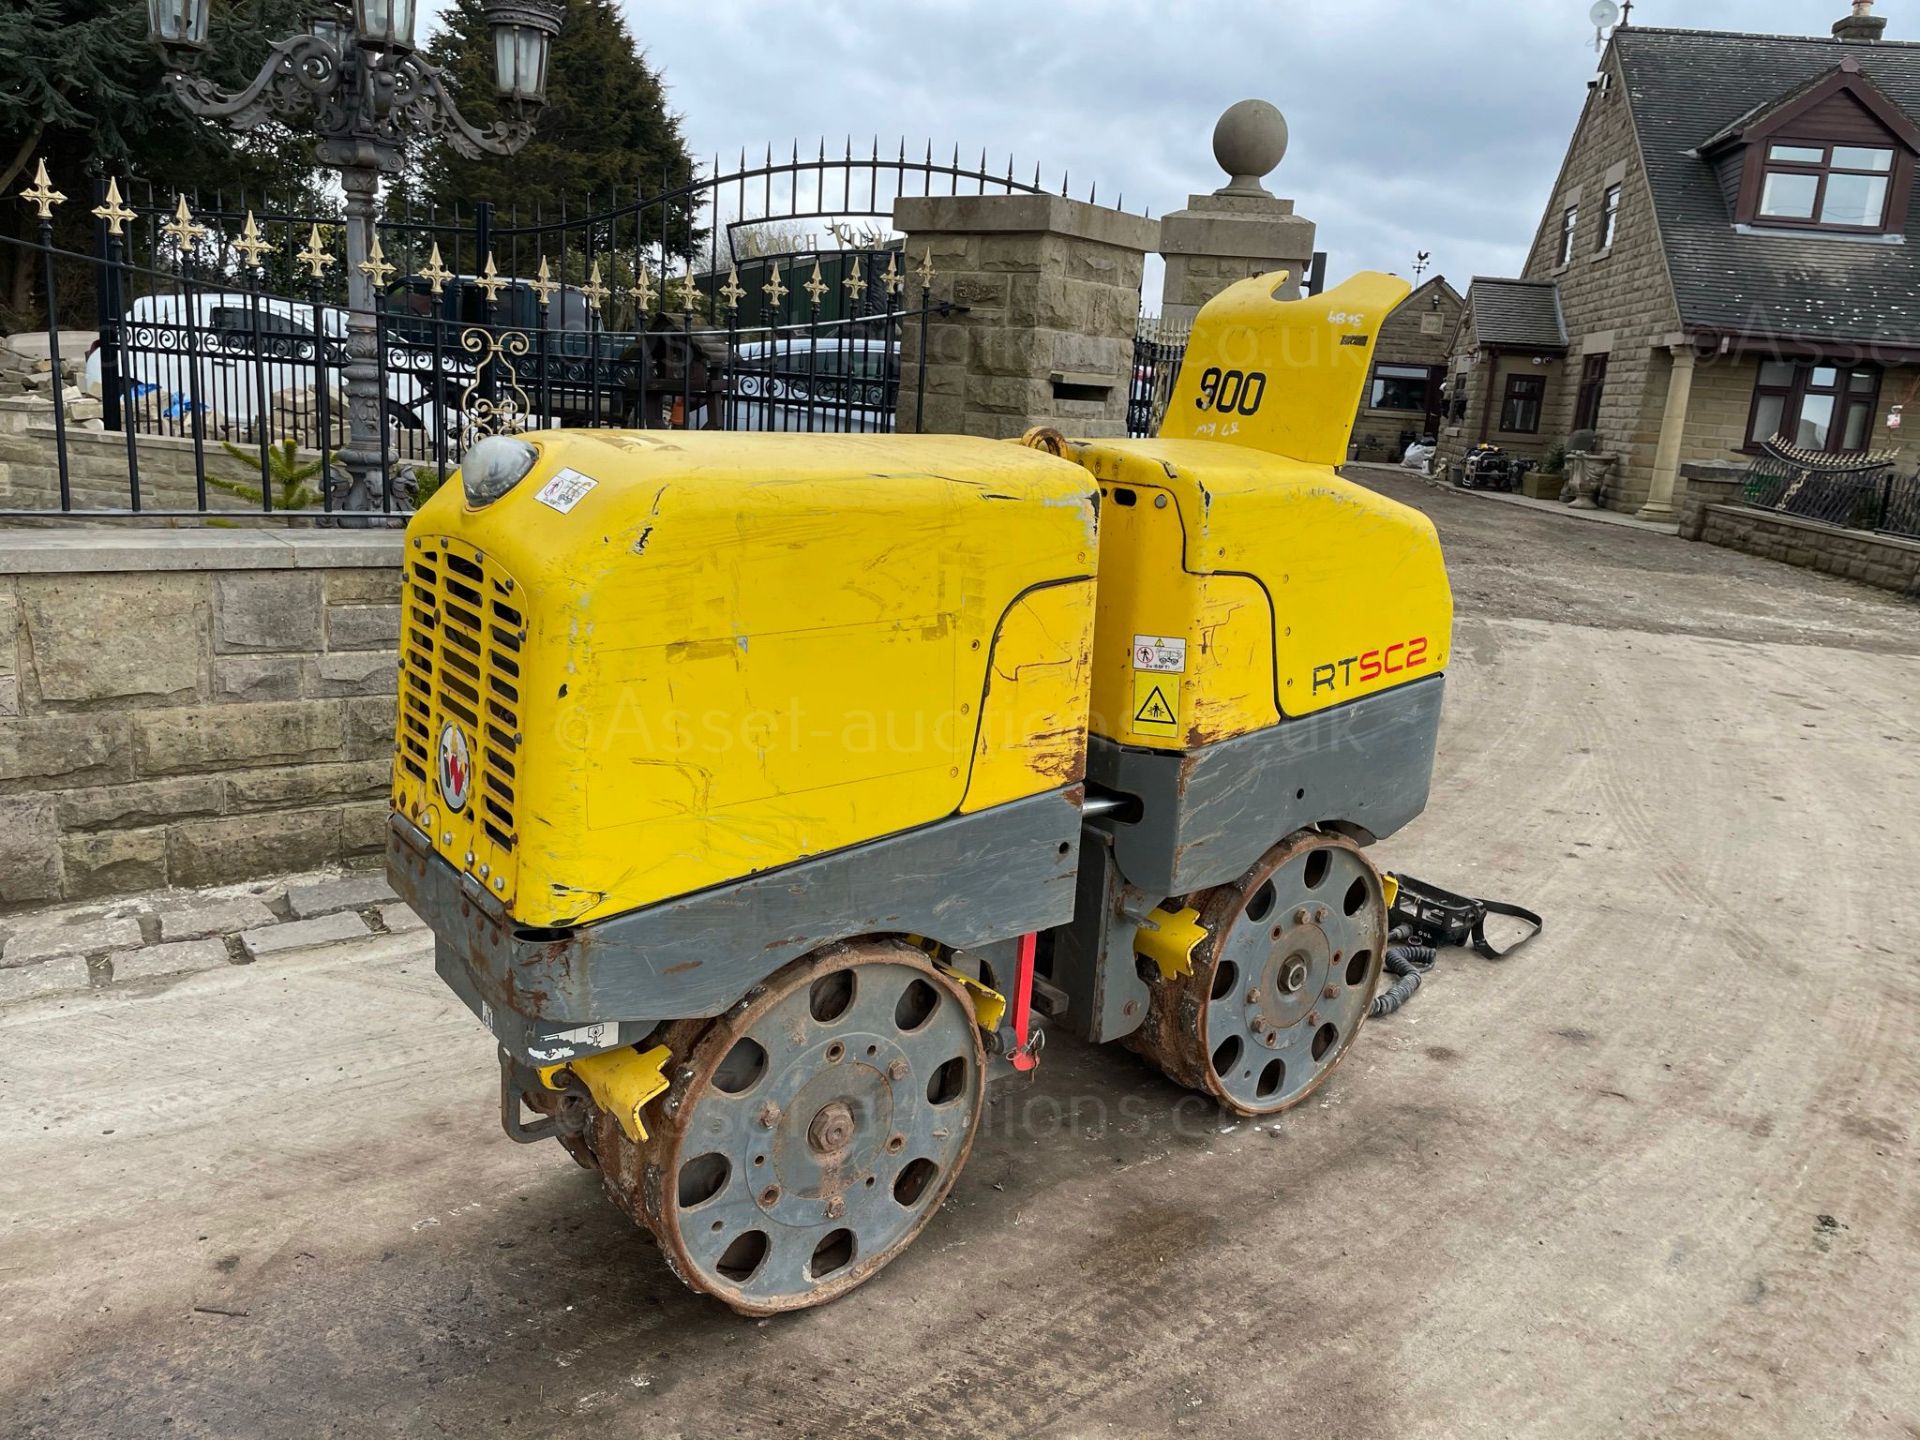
x,y
1610,218
1569,227
1400,387
1815,406
1593,386
1843,187
1521,413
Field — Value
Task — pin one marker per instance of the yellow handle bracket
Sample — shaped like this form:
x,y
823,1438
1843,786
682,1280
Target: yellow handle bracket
x,y
620,1081
1168,939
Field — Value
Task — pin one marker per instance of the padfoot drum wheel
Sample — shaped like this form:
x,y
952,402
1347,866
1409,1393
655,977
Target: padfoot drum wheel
x,y
810,1132
1282,981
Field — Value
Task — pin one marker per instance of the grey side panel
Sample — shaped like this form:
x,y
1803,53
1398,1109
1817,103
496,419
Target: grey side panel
x,y
1093,957
1209,814
965,881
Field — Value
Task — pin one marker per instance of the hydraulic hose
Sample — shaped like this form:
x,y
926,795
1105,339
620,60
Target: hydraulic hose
x,y
1406,962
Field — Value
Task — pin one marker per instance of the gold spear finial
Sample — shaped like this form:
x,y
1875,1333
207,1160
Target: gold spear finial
x,y
113,212
773,289
816,287
689,292
856,283
490,280
732,290
543,284
925,269
375,266
250,244
41,194
435,271
642,290
185,230
595,289
892,279
315,256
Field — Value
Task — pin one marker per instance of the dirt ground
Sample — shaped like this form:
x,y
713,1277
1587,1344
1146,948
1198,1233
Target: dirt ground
x,y
1654,1176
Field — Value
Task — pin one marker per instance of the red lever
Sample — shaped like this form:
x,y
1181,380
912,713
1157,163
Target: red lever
x,y
1023,1058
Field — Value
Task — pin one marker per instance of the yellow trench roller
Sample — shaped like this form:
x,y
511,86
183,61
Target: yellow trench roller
x,y
764,792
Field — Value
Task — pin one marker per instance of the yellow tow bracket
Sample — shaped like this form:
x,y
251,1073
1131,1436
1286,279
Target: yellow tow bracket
x,y
1391,884
1168,940
989,1006
620,1081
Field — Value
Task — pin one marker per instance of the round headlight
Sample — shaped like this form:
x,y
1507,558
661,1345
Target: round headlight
x,y
493,466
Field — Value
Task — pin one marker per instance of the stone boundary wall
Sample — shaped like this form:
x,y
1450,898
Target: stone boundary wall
x,y
1710,511
192,707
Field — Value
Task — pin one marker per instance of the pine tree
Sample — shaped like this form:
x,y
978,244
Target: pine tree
x,y
605,124
81,89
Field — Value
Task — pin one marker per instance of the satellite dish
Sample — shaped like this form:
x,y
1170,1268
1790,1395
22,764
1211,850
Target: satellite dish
x,y
1603,14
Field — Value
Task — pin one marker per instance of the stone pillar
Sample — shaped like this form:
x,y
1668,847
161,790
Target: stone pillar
x,y
1051,295
1673,426
1710,482
1241,229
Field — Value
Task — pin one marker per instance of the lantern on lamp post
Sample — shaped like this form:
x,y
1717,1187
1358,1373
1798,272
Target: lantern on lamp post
x,y
358,84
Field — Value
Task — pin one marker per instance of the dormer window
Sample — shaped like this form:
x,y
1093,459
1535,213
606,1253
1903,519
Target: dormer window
x,y
1833,154
1842,187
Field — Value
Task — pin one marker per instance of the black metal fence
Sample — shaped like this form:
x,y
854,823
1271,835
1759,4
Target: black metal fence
x,y
774,296
1158,348
1858,493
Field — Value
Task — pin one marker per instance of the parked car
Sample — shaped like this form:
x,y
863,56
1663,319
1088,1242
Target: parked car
x,y
223,352
803,383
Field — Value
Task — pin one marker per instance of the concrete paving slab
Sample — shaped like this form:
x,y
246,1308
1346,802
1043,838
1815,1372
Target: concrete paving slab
x,y
214,917
176,959
303,934
345,892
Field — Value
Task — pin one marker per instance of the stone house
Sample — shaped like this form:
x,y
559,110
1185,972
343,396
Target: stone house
x,y
1403,399
1732,251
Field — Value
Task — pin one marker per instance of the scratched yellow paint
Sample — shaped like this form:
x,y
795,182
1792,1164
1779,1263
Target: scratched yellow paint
x,y
1241,540
744,650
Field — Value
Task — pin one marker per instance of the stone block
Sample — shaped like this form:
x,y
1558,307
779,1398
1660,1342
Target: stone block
x,y
47,937
369,731
140,802
203,737
114,862
48,977
266,610
307,785
200,918
345,892
73,749
357,672
304,934
1009,352
258,677
363,829
109,637
153,961
399,918
363,627
238,847
363,587
984,294
30,859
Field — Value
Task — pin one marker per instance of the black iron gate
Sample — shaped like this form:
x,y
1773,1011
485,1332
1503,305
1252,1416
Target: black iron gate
x,y
771,296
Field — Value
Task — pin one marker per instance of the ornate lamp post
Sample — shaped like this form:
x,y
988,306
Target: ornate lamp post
x,y
357,82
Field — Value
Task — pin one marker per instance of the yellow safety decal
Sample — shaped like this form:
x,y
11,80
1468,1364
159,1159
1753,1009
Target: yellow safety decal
x,y
1168,939
989,1005
1156,704
1391,884
620,1081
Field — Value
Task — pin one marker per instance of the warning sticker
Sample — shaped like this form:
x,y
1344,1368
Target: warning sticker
x,y
1155,705
565,490
1160,654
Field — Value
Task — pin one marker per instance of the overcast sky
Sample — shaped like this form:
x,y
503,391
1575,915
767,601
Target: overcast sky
x,y
1416,124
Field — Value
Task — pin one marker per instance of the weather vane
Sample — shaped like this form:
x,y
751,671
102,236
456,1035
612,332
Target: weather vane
x,y
1421,262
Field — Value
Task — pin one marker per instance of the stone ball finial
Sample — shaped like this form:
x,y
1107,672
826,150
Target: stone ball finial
x,y
1249,141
